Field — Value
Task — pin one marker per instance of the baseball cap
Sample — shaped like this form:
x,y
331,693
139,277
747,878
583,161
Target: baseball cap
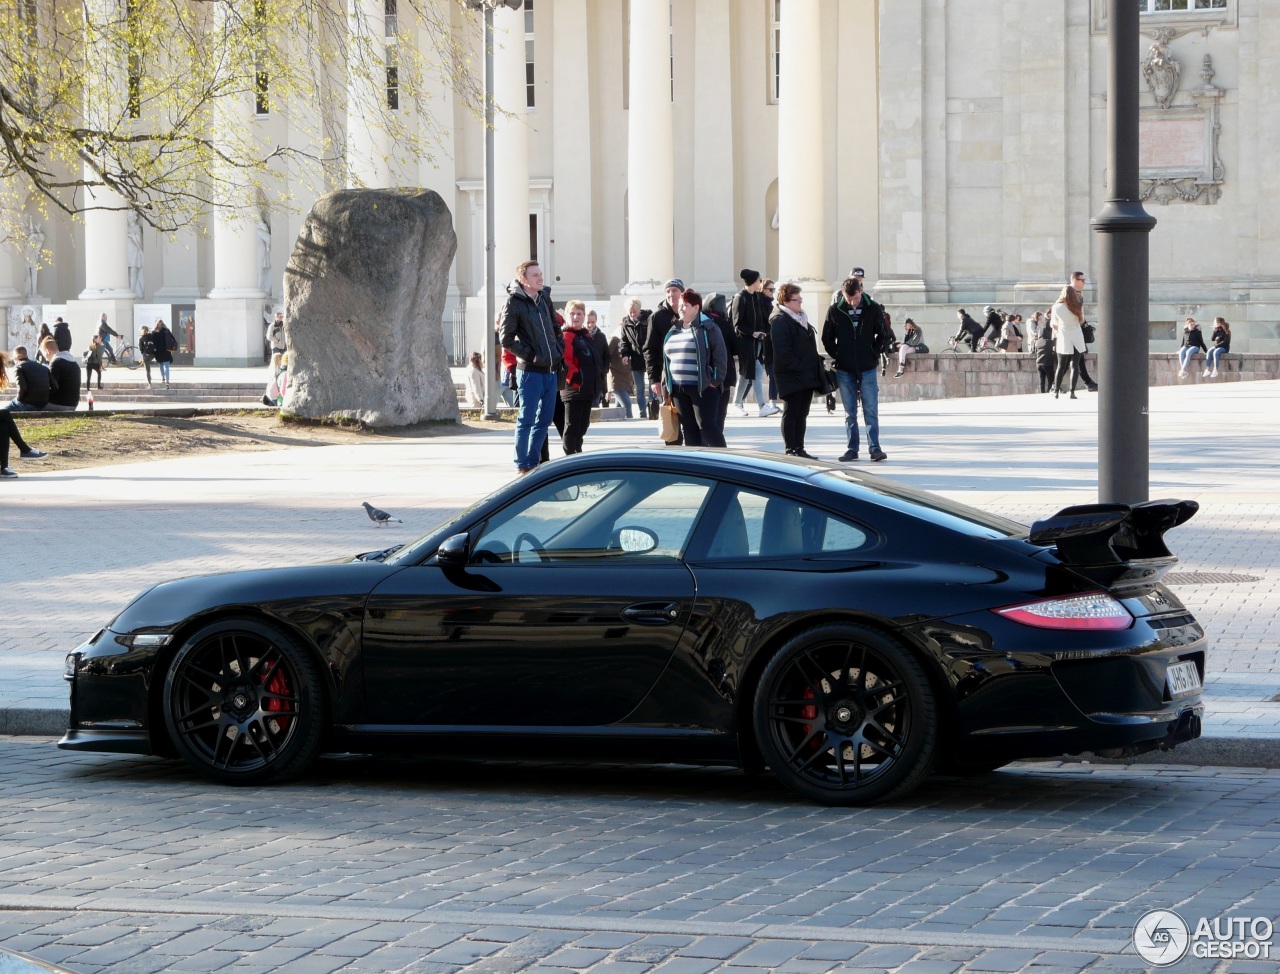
x,y
858,272
988,309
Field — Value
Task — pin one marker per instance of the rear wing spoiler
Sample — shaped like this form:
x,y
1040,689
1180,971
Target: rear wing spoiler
x,y
1118,546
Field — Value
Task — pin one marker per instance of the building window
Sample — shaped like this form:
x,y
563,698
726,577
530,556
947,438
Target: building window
x,y
1176,6
393,65
528,54
775,52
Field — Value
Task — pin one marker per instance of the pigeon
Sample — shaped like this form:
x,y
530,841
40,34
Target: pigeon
x,y
379,517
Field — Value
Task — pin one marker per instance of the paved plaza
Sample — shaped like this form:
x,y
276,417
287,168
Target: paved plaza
x,y
117,863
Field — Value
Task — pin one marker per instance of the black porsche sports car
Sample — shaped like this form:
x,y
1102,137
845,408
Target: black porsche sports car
x,y
703,606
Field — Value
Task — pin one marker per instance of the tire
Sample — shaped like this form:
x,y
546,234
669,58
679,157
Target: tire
x,y
844,715
244,703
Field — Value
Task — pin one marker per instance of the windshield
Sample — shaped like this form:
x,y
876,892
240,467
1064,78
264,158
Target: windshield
x,y
921,503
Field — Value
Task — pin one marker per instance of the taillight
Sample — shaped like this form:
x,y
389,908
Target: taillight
x,y
1097,610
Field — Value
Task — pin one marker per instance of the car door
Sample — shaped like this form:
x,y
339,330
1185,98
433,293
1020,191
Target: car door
x,y
571,604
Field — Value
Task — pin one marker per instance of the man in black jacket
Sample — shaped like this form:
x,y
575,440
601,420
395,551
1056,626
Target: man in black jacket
x,y
33,383
970,331
854,335
64,379
994,324
529,330
62,335
635,329
749,317
660,323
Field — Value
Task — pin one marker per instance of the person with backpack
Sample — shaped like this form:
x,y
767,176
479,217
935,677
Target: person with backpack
x,y
164,344
631,342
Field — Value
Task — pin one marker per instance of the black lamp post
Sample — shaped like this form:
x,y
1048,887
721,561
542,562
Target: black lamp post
x,y
490,295
1123,229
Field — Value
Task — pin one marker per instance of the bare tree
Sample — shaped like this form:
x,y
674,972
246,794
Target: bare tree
x,y
147,105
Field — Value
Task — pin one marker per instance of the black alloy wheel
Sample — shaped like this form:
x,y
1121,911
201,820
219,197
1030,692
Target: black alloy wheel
x,y
243,703
845,716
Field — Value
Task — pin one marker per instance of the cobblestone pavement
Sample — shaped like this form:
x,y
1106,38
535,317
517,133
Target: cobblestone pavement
x,y
125,864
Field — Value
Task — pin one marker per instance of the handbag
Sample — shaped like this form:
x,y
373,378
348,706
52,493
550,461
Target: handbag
x,y
652,408
1002,344
1090,333
830,383
668,423
922,349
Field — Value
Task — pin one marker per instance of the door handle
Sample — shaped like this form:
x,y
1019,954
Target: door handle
x,y
653,613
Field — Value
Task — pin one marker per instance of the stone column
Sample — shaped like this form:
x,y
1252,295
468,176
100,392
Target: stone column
x,y
511,146
230,326
368,144
713,168
106,267
802,198
650,150
572,172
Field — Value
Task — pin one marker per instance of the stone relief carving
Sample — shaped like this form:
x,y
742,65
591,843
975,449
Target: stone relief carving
x,y
1162,71
1184,182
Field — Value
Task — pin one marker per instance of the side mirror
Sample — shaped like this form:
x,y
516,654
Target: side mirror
x,y
453,552
635,541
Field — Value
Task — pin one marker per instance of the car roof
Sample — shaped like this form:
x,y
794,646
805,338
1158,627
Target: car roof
x,y
700,459
835,478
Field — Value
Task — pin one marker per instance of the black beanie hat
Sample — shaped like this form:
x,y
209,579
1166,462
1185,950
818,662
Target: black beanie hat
x,y
749,277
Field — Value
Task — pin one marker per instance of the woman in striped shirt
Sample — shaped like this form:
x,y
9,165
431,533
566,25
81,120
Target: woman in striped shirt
x,y
695,360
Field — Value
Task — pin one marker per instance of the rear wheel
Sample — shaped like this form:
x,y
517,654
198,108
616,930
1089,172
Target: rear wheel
x,y
845,716
244,704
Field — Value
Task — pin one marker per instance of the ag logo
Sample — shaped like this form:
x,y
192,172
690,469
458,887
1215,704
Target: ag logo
x,y
1161,937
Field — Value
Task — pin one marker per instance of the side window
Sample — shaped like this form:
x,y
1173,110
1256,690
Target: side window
x,y
756,525
592,517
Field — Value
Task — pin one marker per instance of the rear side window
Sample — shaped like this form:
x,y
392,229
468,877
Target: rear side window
x,y
753,525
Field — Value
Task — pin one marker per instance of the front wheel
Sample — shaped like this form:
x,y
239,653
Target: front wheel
x,y
244,703
844,715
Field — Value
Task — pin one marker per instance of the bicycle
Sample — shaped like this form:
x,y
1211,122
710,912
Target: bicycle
x,y
127,356
985,346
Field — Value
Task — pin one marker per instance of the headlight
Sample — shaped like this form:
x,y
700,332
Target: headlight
x,y
69,667
143,640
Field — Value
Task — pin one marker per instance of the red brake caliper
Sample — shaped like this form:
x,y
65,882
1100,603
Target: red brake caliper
x,y
277,684
809,712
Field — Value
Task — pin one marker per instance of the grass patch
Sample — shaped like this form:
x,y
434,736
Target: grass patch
x,y
51,432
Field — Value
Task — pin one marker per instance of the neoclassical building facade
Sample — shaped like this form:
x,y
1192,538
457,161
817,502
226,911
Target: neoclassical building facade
x,y
954,150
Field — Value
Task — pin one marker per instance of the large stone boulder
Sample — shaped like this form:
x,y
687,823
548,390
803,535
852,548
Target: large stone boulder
x,y
364,296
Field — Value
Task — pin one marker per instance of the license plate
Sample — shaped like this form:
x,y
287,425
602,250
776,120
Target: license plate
x,y
1182,678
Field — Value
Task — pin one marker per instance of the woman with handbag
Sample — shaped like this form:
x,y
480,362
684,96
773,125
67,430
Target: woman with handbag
x,y
695,361
797,366
1068,315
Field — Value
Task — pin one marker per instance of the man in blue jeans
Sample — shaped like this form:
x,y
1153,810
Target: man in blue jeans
x,y
854,334
529,329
